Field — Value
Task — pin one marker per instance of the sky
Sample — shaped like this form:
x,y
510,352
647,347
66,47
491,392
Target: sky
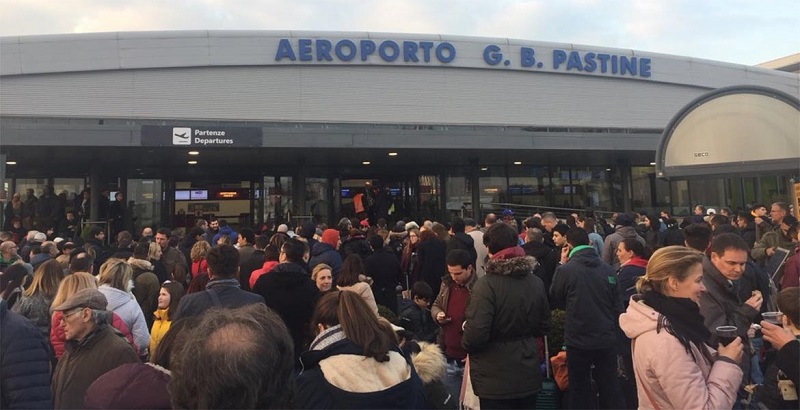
x,y
737,31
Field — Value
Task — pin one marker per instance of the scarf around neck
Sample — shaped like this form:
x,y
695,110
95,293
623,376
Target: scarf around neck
x,y
680,317
509,253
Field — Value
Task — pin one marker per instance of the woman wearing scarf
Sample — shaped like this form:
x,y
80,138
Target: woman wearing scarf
x,y
633,261
507,311
673,365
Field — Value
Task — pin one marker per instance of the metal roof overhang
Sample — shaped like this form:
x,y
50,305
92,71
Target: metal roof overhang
x,y
732,130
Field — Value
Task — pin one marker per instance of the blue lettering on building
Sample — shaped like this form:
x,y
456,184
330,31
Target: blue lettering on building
x,y
443,52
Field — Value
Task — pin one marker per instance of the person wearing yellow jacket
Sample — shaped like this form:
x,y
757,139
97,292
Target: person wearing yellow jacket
x,y
168,298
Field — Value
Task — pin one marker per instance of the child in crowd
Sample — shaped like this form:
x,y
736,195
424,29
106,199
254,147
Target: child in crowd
x,y
415,315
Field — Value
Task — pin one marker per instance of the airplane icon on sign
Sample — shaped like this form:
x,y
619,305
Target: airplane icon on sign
x,y
181,136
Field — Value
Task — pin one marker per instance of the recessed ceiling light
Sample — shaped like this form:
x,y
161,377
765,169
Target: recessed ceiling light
x,y
608,169
192,162
653,163
392,154
517,162
365,163
11,162
194,152
485,169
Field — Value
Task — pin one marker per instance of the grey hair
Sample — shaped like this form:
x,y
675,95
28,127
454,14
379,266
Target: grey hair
x,y
101,316
549,216
535,235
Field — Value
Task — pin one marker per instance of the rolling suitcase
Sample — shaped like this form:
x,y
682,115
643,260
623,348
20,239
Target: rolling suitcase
x,y
548,395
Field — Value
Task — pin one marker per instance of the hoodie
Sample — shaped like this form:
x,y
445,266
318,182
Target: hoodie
x,y
325,253
124,305
667,376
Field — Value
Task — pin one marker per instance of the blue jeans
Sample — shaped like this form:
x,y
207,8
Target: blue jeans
x,y
756,376
454,374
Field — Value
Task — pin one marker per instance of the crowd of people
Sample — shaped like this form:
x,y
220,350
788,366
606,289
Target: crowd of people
x,y
656,314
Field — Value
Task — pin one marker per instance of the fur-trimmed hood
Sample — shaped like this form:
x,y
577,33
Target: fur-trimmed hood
x,y
519,266
429,362
140,264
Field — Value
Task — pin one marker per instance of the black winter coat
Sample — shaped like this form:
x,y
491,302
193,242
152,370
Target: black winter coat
x,y
507,310
384,268
463,241
431,261
254,261
24,363
585,287
324,253
231,297
356,244
547,265
289,290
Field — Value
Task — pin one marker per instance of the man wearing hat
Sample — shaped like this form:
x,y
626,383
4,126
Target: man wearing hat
x,y
92,348
624,230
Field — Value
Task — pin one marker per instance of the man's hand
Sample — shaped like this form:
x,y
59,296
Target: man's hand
x,y
776,335
565,254
755,301
441,318
770,251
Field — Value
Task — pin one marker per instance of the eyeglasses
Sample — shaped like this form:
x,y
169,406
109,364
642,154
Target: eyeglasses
x,y
66,315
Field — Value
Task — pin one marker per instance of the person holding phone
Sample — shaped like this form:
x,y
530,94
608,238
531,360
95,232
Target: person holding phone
x,y
674,366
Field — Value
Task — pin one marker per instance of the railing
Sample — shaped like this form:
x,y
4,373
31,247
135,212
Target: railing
x,y
522,211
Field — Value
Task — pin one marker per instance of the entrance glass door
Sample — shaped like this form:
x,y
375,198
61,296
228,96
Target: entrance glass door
x,y
144,198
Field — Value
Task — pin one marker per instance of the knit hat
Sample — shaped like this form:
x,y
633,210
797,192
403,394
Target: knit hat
x,y
330,237
561,229
411,225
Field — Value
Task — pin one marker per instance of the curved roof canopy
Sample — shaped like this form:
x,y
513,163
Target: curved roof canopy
x,y
732,130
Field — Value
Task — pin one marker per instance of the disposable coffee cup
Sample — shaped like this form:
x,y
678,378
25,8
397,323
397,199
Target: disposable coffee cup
x,y
773,317
726,334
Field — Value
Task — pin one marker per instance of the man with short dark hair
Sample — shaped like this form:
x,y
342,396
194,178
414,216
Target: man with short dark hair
x,y
585,287
507,310
254,261
235,359
289,290
92,348
244,241
720,304
624,230
223,287
173,260
82,262
697,236
95,246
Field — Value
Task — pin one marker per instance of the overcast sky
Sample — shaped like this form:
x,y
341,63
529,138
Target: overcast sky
x,y
738,31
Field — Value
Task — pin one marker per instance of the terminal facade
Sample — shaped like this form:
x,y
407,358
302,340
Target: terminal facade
x,y
258,126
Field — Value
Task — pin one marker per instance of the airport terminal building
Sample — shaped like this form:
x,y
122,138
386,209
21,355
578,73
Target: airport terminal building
x,y
261,125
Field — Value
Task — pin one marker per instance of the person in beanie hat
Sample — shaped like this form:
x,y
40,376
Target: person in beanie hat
x,y
325,251
92,348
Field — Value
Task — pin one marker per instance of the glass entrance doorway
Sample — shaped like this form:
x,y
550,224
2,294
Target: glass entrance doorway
x,y
389,198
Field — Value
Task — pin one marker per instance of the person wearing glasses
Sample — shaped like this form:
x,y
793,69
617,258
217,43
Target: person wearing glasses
x,y
93,348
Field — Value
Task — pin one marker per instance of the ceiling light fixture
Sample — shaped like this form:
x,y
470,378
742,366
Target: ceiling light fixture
x,y
392,154
192,162
365,163
485,169
194,152
652,163
517,162
11,162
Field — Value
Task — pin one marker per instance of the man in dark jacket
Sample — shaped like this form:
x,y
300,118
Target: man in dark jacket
x,y
535,247
585,287
384,269
223,287
460,240
254,261
96,247
172,258
24,363
289,290
623,231
507,310
92,348
325,252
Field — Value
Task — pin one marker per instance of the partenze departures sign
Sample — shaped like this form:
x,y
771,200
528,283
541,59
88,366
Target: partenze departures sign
x,y
366,51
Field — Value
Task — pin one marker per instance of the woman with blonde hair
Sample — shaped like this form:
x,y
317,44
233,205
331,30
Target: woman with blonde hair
x,y
116,283
154,256
198,254
354,361
674,367
38,297
322,275
69,286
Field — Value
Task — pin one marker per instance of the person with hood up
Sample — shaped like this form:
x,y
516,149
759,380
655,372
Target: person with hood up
x,y
674,367
623,231
325,251
115,283
429,363
507,311
460,240
354,362
290,292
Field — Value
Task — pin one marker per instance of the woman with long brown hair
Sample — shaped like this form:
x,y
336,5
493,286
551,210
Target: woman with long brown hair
x,y
352,278
354,361
37,298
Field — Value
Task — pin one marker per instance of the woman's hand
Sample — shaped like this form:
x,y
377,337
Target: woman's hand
x,y
733,350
